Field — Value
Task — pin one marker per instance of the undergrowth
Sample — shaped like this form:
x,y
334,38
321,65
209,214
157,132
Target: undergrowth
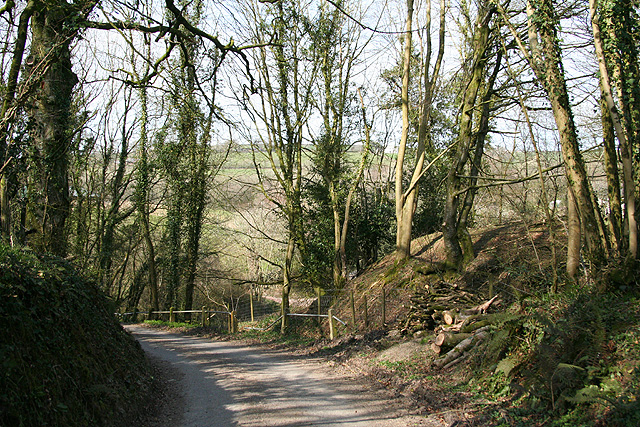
x,y
300,333
569,359
65,359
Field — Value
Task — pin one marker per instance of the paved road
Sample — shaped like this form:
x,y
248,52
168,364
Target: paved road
x,y
226,383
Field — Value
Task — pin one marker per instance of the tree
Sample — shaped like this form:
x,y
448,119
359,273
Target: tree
x,y
406,199
621,51
546,63
338,48
285,79
49,84
142,198
455,221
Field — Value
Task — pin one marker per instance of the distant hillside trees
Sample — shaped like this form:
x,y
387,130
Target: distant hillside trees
x,y
286,73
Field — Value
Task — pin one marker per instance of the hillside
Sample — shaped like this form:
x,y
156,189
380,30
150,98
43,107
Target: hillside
x,y
65,359
533,357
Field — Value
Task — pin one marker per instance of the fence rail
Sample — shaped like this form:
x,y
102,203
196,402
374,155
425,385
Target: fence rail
x,y
372,309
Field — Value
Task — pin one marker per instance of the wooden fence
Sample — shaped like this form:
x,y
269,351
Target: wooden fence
x,y
324,303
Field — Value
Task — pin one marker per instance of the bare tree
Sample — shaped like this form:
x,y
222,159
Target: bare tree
x,y
406,199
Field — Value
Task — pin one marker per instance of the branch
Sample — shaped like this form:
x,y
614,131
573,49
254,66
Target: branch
x,y
413,185
505,181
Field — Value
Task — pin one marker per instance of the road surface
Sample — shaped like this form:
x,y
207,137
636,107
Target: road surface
x,y
227,383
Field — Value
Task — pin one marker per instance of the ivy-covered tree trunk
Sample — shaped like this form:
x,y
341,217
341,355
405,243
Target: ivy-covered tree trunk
x,y
574,238
142,201
613,179
8,112
173,242
555,85
617,53
452,228
49,117
480,137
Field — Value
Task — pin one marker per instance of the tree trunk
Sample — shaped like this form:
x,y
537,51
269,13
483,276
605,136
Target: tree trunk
x,y
403,211
49,114
464,236
577,179
286,284
8,112
613,178
195,213
624,130
142,201
452,228
573,238
113,216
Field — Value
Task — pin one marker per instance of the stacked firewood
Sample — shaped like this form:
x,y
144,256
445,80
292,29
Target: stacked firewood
x,y
457,317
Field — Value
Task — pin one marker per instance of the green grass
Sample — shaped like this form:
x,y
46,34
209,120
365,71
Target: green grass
x,y
273,335
406,369
162,323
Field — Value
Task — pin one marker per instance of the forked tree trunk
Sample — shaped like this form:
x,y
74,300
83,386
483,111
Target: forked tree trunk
x,y
451,228
407,200
404,212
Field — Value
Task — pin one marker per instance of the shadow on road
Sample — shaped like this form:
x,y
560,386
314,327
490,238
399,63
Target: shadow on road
x,y
231,384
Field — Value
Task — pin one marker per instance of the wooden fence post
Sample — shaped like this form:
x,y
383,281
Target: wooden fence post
x,y
384,307
318,297
332,326
251,302
172,316
203,318
353,312
366,311
233,323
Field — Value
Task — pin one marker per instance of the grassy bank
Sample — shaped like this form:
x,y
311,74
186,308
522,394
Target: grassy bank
x,y
65,359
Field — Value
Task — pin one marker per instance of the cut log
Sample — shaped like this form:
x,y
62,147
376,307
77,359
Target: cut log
x,y
448,328
455,361
435,348
461,348
475,326
449,316
449,340
479,321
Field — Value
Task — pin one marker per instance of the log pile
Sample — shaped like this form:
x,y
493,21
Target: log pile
x,y
458,318
441,303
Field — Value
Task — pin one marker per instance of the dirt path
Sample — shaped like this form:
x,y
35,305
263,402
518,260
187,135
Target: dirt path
x,y
225,383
